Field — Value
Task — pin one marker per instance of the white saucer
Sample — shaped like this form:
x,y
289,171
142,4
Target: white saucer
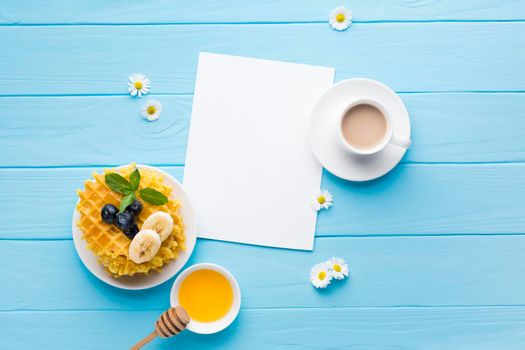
x,y
153,279
324,130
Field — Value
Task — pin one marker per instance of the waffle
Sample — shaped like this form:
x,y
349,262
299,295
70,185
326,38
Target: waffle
x,y
108,242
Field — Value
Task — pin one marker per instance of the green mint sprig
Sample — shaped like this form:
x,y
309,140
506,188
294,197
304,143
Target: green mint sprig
x,y
117,183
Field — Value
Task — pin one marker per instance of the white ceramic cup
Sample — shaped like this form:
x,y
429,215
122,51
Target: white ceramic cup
x,y
219,325
389,136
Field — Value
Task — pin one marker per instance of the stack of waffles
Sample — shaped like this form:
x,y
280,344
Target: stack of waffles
x,y
108,242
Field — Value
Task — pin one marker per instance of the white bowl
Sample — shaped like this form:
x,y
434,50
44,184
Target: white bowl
x,y
152,279
219,325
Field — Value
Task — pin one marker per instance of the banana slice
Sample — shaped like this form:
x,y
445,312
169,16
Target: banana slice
x,y
160,222
144,246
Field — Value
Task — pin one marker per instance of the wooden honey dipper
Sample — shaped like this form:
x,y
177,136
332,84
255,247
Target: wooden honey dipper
x,y
170,323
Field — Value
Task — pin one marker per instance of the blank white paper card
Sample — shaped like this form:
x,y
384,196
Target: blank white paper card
x,y
250,172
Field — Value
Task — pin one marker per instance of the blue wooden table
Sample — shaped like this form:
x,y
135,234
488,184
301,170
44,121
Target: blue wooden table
x,y
436,248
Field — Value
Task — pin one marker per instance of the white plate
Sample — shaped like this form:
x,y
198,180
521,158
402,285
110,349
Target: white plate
x,y
153,279
324,130
219,325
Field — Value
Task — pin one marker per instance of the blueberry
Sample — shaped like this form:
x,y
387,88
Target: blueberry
x,y
124,221
108,213
132,231
134,208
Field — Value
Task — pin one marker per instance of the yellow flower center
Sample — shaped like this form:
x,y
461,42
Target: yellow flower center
x,y
138,85
337,268
151,110
321,275
340,18
321,199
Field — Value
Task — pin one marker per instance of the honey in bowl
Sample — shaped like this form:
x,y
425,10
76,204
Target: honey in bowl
x,y
206,295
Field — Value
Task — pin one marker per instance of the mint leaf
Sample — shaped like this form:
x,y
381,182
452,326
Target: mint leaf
x,y
134,178
126,201
118,184
153,196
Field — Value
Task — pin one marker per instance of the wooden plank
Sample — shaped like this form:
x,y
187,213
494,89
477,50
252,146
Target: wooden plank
x,y
384,271
52,191
237,11
466,127
100,130
413,199
406,56
447,127
390,328
418,199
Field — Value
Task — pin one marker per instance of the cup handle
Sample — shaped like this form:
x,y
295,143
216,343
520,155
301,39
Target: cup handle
x,y
400,141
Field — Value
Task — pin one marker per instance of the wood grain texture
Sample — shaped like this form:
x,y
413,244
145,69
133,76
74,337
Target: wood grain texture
x,y
384,271
413,199
100,130
55,203
418,199
405,56
237,11
93,130
376,328
440,264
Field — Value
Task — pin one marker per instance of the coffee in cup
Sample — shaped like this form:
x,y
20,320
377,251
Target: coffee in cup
x,y
365,128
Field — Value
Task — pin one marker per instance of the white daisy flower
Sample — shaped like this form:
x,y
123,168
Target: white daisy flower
x,y
151,110
340,18
320,275
138,85
322,200
338,268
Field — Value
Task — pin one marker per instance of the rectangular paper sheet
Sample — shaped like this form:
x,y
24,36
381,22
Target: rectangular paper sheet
x,y
250,172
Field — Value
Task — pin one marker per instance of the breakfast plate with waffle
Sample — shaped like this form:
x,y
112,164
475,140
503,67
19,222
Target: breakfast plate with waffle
x,y
133,226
